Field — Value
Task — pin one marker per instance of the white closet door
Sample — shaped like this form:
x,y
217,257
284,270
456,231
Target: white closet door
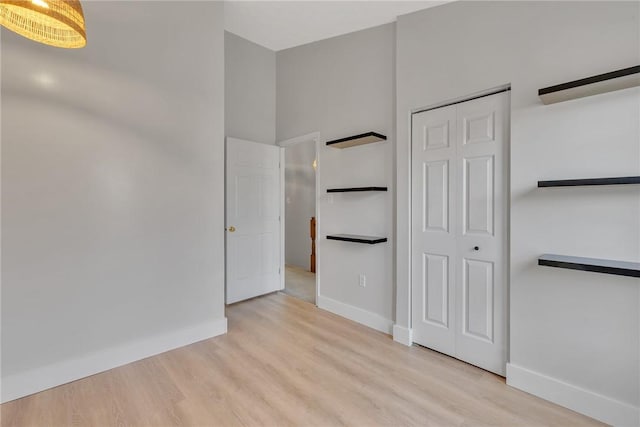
x,y
434,228
481,195
459,200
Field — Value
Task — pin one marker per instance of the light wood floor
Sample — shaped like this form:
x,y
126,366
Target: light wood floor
x,y
285,362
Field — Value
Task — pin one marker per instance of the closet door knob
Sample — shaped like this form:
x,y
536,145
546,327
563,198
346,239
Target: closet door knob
x,y
476,248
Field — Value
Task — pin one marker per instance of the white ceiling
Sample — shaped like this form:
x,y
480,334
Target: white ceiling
x,y
280,25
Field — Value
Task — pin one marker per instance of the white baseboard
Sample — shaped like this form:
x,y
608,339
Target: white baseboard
x,y
36,380
356,314
586,402
402,335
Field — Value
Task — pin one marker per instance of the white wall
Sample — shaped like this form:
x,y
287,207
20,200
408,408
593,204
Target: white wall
x,y
340,87
250,90
112,189
300,202
575,336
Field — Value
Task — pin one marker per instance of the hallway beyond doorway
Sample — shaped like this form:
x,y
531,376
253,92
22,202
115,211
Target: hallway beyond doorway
x,y
300,283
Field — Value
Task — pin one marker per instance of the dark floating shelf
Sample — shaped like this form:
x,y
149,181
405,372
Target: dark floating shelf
x,y
371,240
355,189
352,141
619,268
619,180
602,83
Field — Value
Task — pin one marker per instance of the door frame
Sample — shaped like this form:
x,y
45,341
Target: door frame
x,y
507,178
309,137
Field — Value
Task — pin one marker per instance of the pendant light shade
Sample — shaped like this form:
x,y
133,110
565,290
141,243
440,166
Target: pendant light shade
x,y
57,23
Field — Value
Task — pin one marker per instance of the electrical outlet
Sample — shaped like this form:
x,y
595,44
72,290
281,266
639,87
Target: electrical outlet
x,y
363,280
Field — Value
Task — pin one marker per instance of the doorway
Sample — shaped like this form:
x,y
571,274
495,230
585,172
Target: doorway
x,y
300,216
459,229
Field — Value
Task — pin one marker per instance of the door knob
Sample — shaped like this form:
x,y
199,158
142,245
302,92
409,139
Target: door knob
x,y
476,248
232,229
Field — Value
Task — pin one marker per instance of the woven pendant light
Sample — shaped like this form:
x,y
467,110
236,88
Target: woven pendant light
x,y
57,23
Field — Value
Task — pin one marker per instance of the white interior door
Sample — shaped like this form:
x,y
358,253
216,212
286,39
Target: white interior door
x,y
252,219
481,194
434,228
459,202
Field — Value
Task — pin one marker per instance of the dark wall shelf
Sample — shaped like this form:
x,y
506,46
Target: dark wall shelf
x,y
594,85
371,240
620,268
355,189
619,180
352,141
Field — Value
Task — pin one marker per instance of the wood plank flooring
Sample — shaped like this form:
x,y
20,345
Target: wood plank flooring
x,y
285,362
